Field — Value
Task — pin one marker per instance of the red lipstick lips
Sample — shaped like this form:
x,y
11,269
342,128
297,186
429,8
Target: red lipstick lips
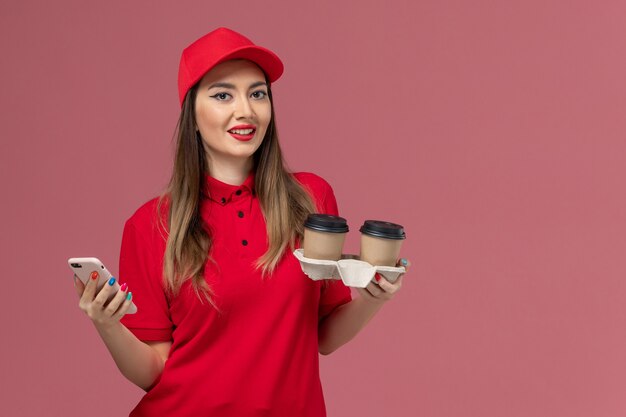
x,y
244,137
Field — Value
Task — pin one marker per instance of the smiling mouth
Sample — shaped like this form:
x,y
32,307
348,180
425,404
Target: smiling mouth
x,y
242,131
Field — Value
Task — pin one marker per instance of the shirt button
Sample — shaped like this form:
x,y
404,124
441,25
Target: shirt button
x,y
240,214
223,200
238,192
244,242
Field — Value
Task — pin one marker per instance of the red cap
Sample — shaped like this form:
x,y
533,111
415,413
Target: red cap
x,y
218,46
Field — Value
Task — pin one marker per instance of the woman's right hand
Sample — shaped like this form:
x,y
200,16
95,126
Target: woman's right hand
x,y
96,306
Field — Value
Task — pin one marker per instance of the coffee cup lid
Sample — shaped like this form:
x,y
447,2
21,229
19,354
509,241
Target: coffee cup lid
x,y
385,230
326,223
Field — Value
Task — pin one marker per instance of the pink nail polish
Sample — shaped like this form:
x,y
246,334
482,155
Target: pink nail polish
x,y
124,286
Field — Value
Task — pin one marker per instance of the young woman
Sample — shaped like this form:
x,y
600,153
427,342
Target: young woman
x,y
227,323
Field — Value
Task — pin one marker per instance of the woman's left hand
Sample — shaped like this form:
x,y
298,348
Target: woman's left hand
x,y
383,290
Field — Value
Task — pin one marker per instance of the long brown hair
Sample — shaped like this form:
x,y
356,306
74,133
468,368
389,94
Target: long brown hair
x,y
284,202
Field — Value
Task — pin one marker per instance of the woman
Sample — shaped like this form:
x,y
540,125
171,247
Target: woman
x,y
234,327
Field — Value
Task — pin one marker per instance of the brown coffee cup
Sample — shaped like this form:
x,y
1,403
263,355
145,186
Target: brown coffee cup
x,y
324,236
381,242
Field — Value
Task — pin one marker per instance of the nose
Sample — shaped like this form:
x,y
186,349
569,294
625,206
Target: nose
x,y
243,109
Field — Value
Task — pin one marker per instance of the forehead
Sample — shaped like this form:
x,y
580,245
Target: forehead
x,y
234,70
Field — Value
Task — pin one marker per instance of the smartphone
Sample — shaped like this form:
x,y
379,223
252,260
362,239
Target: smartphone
x,y
84,267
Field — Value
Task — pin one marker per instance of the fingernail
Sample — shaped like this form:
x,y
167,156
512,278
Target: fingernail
x,y
129,295
112,281
124,285
94,275
377,277
404,262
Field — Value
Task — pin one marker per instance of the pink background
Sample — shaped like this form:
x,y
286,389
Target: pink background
x,y
494,131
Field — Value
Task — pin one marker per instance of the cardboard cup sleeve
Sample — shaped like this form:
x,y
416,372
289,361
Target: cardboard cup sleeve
x,y
352,271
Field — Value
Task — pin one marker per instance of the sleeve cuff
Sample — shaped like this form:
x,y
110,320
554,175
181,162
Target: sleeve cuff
x,y
152,335
328,307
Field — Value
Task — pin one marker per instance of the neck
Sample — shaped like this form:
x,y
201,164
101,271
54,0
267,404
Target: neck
x,y
232,171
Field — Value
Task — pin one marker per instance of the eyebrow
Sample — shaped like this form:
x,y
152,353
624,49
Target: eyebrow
x,y
232,86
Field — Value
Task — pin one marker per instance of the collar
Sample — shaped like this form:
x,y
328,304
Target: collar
x,y
222,193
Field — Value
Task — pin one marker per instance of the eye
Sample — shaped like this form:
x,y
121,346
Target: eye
x,y
220,96
259,94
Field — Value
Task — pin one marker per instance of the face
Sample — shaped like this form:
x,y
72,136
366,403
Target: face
x,y
232,111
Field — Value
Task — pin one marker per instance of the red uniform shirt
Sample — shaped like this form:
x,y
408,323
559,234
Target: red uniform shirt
x,y
257,355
